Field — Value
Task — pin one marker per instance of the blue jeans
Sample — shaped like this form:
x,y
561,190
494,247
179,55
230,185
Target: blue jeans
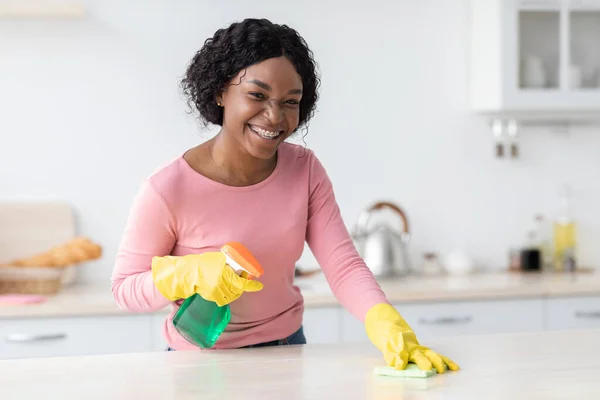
x,y
295,338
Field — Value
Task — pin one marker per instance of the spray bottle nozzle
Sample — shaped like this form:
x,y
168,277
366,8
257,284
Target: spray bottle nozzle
x,y
241,260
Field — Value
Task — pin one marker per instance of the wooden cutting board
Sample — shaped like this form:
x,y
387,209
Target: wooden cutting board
x,y
28,228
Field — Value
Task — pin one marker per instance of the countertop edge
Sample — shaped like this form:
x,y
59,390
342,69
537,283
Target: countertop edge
x,y
311,301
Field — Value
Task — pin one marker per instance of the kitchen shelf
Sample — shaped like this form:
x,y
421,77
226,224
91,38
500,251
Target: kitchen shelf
x,y
535,59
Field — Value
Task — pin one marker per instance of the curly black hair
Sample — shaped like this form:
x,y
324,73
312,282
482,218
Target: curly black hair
x,y
237,47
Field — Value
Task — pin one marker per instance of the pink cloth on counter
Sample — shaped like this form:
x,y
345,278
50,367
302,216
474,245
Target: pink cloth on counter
x,y
19,299
179,211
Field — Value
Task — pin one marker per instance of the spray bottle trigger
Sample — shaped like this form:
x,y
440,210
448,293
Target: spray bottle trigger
x,y
241,271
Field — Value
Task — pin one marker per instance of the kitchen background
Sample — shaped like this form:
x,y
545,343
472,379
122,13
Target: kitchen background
x,y
91,107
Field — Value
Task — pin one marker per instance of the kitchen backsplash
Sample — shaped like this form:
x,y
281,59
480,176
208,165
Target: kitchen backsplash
x,y
92,107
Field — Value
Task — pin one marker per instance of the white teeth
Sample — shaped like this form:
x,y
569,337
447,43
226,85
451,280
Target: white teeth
x,y
264,133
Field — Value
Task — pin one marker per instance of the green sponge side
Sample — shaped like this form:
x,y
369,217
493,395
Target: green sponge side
x,y
411,371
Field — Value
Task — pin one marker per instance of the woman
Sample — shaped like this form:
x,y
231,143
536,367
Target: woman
x,y
258,82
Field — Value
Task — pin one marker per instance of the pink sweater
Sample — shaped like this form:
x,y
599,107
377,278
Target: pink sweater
x,y
179,211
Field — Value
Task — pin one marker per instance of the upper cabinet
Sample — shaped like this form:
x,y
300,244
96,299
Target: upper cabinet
x,y
535,58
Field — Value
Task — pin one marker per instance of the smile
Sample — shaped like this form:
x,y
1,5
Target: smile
x,y
265,134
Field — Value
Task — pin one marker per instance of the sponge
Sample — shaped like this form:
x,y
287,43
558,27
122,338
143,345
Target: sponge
x,y
411,371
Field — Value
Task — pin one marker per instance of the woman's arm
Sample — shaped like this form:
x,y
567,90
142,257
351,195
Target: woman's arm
x,y
350,279
150,231
355,287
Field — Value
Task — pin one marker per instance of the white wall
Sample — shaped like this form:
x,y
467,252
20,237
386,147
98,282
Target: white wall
x,y
89,108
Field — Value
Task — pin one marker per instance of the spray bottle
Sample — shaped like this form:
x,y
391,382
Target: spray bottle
x,y
201,321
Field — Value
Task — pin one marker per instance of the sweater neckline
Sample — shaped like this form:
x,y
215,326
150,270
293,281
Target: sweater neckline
x,y
264,182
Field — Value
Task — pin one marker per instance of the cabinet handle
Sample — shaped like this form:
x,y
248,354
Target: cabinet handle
x,y
587,314
539,2
446,321
29,338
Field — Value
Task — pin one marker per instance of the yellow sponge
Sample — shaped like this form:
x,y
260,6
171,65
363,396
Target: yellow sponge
x,y
411,371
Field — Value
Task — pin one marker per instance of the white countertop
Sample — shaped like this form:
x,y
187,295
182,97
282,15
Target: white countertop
x,y
86,300
550,365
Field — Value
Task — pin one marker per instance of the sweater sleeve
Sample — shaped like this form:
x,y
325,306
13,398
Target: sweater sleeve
x,y
149,231
351,281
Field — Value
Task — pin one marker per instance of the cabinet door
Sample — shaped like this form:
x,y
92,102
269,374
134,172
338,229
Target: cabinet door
x,y
447,319
573,313
322,325
535,57
55,337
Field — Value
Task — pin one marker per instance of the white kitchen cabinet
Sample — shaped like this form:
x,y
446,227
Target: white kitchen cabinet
x,y
322,325
104,334
437,320
532,58
55,337
572,313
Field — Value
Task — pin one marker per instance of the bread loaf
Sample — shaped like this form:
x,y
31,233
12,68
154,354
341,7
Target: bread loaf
x,y
75,251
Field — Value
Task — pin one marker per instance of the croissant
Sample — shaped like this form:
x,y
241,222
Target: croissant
x,y
72,252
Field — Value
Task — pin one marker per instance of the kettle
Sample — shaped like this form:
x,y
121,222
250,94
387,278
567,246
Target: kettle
x,y
384,250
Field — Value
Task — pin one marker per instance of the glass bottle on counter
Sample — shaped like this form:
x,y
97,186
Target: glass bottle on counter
x,y
531,256
565,233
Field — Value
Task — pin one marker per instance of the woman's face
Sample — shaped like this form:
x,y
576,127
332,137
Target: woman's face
x,y
262,106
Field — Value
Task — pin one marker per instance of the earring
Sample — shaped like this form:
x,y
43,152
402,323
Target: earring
x,y
219,103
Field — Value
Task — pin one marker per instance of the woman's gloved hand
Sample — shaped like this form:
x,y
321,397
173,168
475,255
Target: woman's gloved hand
x,y
179,277
390,333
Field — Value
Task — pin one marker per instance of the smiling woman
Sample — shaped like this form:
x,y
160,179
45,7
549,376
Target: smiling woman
x,y
264,108
256,80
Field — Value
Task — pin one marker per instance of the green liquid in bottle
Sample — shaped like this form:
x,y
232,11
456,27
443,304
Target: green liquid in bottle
x,y
200,321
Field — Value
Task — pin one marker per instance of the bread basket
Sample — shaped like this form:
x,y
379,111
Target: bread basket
x,y
30,280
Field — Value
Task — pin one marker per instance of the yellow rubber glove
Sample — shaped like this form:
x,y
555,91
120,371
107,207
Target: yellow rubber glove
x,y
179,277
390,333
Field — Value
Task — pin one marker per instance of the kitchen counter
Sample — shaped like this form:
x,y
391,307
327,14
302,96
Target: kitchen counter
x,y
551,365
88,300
480,286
